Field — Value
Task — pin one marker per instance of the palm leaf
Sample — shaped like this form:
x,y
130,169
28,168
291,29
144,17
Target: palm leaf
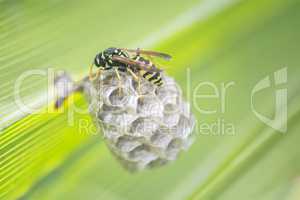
x,y
43,157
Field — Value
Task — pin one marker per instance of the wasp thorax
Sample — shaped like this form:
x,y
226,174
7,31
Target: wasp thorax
x,y
111,51
105,58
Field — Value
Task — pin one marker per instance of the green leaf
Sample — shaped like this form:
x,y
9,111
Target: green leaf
x,y
233,43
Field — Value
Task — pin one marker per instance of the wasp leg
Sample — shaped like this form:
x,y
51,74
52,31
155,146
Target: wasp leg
x,y
91,73
136,78
139,84
119,81
117,73
98,73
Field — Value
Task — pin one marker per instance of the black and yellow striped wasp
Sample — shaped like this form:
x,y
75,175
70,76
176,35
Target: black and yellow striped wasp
x,y
129,60
119,59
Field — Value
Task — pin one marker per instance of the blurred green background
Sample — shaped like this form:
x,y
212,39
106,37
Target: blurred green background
x,y
42,156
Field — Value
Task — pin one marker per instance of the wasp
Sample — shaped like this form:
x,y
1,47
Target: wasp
x,y
124,60
121,59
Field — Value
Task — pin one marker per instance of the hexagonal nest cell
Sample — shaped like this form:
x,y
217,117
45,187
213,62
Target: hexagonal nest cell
x,y
143,128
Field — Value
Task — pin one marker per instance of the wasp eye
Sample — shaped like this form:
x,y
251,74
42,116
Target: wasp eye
x,y
99,61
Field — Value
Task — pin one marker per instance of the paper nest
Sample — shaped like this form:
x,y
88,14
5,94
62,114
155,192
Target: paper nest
x,y
143,129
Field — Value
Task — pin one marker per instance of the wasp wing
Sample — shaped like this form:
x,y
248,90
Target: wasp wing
x,y
150,53
136,63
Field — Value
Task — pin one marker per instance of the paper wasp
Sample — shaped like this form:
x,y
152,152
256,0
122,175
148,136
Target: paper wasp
x,y
121,59
124,60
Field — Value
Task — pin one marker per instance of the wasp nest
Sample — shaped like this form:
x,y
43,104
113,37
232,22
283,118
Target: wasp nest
x,y
144,126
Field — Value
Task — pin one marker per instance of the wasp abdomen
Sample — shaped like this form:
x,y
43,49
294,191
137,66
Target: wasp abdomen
x,y
151,75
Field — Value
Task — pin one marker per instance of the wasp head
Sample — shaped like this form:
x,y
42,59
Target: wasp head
x,y
104,59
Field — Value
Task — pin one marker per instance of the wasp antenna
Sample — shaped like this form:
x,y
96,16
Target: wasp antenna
x,y
91,74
